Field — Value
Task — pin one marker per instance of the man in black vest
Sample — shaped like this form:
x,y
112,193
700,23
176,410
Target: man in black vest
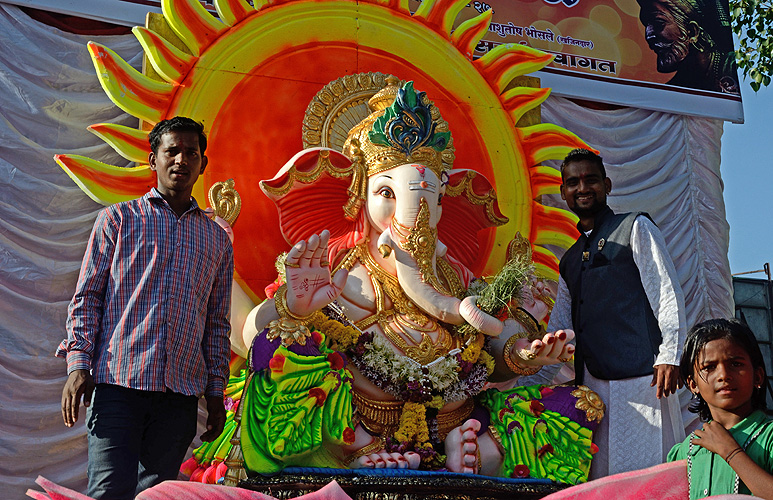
x,y
619,291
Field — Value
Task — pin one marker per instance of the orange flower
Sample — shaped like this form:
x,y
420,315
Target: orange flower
x,y
335,360
348,436
272,288
536,407
277,363
319,394
548,448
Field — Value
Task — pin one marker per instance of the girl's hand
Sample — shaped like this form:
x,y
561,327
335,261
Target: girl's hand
x,y
715,438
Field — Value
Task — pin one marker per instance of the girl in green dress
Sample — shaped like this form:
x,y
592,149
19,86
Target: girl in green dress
x,y
733,451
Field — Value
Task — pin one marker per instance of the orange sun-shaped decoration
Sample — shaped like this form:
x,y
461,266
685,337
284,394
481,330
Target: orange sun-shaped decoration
x,y
250,76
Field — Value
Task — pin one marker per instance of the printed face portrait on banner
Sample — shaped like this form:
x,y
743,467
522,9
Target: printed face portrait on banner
x,y
690,39
675,56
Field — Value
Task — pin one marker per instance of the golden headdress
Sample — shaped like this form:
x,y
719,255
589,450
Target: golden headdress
x,y
403,127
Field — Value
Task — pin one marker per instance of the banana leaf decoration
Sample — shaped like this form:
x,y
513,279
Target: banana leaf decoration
x,y
294,407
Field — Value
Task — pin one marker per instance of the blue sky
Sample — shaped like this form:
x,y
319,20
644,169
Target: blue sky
x,y
747,172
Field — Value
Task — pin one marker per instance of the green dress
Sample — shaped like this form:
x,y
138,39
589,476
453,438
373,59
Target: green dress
x,y
710,474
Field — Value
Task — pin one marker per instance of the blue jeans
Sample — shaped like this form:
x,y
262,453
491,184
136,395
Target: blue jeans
x,y
136,439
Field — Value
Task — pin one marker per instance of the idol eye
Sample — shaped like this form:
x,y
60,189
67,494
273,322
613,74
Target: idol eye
x,y
386,192
440,199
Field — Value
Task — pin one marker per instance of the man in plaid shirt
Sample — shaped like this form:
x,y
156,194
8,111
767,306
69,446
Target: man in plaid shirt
x,y
148,326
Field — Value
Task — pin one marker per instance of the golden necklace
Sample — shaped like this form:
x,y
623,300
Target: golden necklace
x,y
404,315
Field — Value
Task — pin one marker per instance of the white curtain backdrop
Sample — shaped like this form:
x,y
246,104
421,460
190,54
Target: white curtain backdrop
x,y
664,164
49,94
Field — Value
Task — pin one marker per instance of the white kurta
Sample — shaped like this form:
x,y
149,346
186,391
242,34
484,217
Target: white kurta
x,y
638,429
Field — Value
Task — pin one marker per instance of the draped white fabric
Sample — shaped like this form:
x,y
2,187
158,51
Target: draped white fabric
x,y
49,94
664,164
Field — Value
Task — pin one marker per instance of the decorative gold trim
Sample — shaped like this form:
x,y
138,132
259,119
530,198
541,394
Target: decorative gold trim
x,y
381,158
345,103
519,248
452,279
497,438
383,417
425,351
339,106
448,421
289,331
374,446
280,302
487,200
385,282
225,201
421,243
529,322
404,315
347,262
511,357
235,459
378,417
324,165
589,402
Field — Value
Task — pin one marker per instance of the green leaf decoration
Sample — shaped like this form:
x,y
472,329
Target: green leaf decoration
x,y
407,124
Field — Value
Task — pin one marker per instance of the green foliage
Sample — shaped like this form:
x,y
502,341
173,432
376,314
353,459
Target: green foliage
x,y
753,24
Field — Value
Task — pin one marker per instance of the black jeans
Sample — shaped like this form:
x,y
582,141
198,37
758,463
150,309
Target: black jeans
x,y
136,439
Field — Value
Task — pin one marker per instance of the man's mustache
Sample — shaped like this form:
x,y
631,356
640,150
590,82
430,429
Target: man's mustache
x,y
658,46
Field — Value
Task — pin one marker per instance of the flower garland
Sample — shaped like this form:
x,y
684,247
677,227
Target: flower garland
x,y
457,376
413,424
425,389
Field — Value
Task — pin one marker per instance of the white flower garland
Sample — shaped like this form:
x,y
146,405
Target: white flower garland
x,y
380,357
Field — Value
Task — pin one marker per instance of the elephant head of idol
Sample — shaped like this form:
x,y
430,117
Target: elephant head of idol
x,y
393,188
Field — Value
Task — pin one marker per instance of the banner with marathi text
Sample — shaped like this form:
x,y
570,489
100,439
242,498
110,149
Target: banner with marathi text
x,y
667,55
675,56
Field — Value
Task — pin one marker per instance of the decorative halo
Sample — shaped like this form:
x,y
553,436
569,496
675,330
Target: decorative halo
x,y
249,76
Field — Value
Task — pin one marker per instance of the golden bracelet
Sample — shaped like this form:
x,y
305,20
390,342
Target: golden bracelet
x,y
512,363
497,438
376,445
280,301
525,318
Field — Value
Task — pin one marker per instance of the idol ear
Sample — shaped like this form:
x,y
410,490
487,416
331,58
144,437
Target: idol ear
x,y
312,192
469,206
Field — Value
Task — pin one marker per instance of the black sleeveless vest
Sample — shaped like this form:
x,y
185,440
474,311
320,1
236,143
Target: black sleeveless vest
x,y
617,333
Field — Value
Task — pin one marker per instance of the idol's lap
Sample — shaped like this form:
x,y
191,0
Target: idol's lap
x,y
383,364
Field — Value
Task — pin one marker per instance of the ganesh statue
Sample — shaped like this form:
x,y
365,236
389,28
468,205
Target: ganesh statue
x,y
379,348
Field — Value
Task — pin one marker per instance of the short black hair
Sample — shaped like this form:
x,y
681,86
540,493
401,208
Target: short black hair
x,y
736,332
177,124
581,154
